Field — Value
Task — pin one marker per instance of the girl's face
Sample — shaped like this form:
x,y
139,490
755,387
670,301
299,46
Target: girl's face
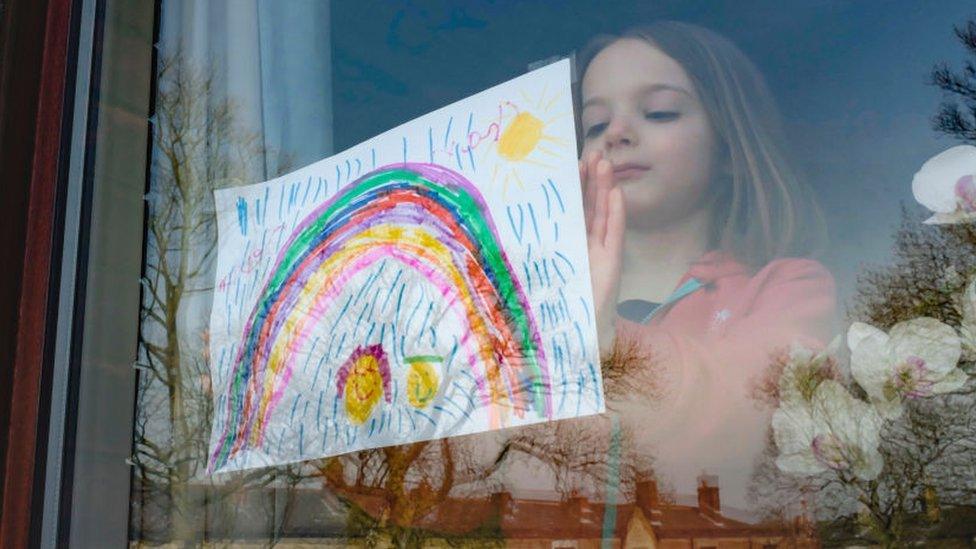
x,y
642,111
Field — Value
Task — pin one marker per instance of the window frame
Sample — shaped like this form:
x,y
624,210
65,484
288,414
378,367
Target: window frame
x,y
83,499
40,45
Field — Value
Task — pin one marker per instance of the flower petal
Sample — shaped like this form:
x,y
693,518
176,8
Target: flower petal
x,y
802,464
933,341
952,381
854,422
870,467
835,410
934,185
802,372
793,429
968,305
859,332
833,347
871,363
869,437
950,218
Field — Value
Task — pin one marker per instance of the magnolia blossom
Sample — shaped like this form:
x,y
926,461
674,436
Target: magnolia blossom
x,y
805,370
834,431
917,359
946,185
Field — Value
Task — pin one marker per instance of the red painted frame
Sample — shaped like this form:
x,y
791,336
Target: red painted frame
x,y
35,38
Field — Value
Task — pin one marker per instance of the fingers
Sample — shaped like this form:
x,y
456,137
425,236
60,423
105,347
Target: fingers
x,y
589,186
616,221
603,184
584,188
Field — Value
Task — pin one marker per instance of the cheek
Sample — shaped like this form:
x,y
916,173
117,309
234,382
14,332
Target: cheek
x,y
682,157
685,156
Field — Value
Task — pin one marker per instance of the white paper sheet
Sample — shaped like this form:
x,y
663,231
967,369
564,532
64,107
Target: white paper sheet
x,y
429,282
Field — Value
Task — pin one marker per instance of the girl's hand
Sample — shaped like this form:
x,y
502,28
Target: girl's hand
x,y
603,207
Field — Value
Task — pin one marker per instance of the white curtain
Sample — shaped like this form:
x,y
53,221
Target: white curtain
x,y
272,59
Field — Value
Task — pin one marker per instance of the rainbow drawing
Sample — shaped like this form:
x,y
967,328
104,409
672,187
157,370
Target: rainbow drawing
x,y
433,221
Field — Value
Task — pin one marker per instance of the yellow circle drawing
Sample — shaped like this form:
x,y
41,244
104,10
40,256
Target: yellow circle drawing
x,y
364,386
422,383
520,137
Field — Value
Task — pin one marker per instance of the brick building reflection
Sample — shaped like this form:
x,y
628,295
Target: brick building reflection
x,y
647,522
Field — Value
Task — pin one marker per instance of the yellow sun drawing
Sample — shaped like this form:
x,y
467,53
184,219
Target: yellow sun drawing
x,y
523,138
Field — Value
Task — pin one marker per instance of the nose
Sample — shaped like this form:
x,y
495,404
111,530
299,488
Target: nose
x,y
619,132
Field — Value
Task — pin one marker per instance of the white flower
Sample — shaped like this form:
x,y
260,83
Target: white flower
x,y
834,432
917,359
805,370
946,185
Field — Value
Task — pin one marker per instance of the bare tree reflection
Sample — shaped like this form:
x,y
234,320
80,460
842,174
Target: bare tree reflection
x,y
397,494
953,119
391,490
197,147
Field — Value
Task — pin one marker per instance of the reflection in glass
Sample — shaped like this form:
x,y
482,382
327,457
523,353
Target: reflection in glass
x,y
733,416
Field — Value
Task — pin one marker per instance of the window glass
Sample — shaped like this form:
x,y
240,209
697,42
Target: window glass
x,y
781,247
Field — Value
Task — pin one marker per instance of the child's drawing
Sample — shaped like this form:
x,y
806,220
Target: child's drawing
x,y
400,292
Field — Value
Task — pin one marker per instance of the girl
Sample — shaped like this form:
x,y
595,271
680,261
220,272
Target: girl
x,y
694,224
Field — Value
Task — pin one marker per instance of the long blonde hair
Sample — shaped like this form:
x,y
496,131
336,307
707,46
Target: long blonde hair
x,y
768,213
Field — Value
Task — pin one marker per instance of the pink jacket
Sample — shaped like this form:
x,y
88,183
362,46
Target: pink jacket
x,y
708,349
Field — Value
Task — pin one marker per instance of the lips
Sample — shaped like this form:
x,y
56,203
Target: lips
x,y
625,172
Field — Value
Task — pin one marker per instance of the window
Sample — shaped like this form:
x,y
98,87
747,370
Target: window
x,y
771,170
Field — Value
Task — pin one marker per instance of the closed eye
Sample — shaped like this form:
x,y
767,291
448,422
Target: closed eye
x,y
662,116
595,130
